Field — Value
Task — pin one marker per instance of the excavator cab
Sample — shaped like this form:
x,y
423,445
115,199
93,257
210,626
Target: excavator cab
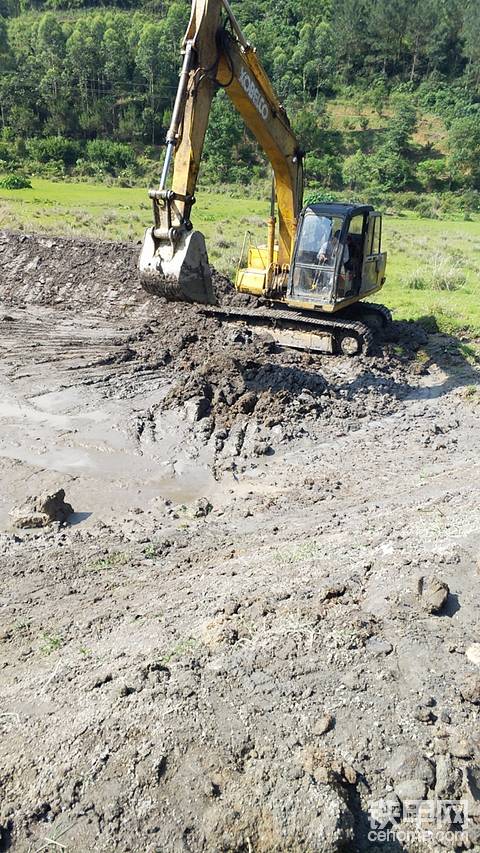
x,y
337,258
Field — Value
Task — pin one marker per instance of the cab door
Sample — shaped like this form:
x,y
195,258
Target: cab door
x,y
374,260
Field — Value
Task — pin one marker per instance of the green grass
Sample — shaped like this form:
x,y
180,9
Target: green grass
x,y
414,245
51,643
108,562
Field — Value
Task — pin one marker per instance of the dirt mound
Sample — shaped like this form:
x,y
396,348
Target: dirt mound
x,y
67,272
45,270
216,370
232,386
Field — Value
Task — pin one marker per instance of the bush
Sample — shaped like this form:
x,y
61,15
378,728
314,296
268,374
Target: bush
x,y
464,145
15,182
111,156
54,169
392,169
357,171
470,201
433,174
319,197
54,148
429,207
326,170
7,153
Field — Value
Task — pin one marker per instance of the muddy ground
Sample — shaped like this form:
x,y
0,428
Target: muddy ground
x,y
226,649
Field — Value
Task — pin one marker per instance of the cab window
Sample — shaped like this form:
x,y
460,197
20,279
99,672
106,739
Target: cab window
x,y
376,236
317,237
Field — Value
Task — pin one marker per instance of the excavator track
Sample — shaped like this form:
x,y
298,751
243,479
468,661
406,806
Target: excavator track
x,y
296,330
365,311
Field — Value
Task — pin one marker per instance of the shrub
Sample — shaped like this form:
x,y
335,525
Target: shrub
x,y
321,196
54,148
15,182
392,169
429,207
326,170
433,174
111,156
6,152
357,171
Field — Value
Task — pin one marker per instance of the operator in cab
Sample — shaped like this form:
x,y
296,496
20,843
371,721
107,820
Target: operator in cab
x,y
328,251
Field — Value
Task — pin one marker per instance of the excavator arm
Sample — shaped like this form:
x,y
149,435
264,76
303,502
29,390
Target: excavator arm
x,y
173,260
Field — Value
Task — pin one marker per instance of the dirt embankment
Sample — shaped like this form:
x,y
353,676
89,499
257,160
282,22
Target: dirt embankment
x,y
262,621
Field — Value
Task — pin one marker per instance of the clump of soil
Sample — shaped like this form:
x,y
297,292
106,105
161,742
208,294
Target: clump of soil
x,y
228,386
221,371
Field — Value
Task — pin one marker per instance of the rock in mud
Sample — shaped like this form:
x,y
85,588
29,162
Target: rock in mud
x,y
470,689
407,764
448,778
433,594
40,511
379,646
461,749
410,789
201,508
323,725
473,653
472,783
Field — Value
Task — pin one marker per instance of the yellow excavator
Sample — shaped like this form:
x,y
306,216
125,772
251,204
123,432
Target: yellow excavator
x,y
320,262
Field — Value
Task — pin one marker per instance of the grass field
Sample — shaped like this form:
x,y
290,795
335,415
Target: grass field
x,y
416,247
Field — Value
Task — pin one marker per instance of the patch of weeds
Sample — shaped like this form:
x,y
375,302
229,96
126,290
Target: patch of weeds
x,y
85,652
422,356
416,281
302,552
108,562
399,350
470,353
51,643
15,182
21,628
441,273
472,394
150,551
116,558
179,649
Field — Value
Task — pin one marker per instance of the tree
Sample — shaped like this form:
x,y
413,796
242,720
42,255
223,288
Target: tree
x,y
149,60
224,137
464,148
403,124
471,36
357,171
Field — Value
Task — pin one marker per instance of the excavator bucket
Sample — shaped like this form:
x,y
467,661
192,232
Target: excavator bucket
x,y
179,272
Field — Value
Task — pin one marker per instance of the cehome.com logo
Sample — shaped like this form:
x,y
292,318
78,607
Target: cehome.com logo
x,y
253,93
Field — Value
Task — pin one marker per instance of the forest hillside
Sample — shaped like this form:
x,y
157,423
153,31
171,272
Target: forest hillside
x,y
384,95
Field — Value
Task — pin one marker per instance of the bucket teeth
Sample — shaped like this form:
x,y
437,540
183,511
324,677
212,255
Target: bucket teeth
x,y
182,275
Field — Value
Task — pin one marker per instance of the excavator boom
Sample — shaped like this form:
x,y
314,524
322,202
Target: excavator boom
x,y
173,261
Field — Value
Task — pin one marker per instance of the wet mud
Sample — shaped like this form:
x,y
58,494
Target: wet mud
x,y
227,646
